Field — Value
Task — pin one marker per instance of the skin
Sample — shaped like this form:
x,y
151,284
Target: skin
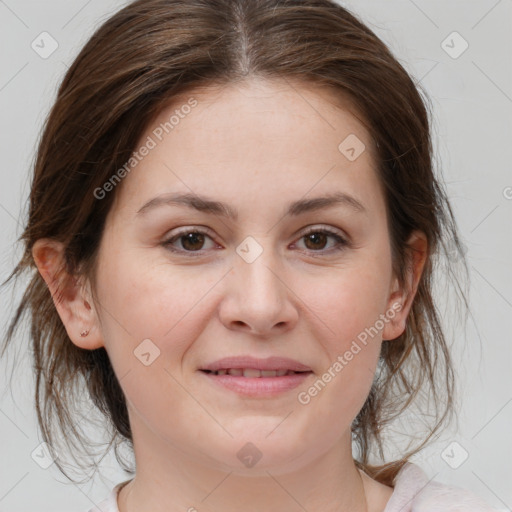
x,y
256,146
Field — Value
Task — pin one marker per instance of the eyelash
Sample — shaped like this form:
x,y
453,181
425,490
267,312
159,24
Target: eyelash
x,y
342,242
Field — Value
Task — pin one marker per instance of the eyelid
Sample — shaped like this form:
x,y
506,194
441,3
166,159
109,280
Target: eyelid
x,y
193,228
313,228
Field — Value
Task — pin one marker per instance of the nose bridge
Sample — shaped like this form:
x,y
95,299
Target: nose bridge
x,y
257,267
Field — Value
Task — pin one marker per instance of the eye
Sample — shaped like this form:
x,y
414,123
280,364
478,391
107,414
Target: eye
x,y
317,238
190,240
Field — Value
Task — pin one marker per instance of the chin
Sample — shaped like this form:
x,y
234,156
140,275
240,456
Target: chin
x,y
257,456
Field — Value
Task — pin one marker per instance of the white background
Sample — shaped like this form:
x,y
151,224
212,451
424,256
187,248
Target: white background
x,y
472,96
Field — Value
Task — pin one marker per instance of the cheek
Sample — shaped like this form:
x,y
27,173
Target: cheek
x,y
151,315
151,300
347,304
348,308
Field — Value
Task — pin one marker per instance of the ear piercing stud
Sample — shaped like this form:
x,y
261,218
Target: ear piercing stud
x,y
84,333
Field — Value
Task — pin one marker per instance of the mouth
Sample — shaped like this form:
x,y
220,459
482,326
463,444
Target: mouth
x,y
256,383
253,373
255,377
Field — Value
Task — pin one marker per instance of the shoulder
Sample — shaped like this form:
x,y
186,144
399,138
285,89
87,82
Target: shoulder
x,y
415,492
109,504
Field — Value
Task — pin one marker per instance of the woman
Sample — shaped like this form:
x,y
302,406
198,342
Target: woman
x,y
234,220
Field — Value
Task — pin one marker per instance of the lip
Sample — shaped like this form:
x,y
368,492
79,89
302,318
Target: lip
x,y
258,387
270,363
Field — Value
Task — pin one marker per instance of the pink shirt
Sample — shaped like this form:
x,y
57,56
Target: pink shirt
x,y
413,492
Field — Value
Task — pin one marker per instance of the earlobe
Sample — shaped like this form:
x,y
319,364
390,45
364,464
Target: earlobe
x,y
68,295
396,316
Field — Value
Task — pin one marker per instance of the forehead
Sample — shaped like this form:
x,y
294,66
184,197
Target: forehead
x,y
274,100
276,134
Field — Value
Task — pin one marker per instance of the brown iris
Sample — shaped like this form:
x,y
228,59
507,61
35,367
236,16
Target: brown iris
x,y
191,241
315,238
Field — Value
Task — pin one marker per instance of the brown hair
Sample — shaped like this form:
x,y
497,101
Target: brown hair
x,y
134,64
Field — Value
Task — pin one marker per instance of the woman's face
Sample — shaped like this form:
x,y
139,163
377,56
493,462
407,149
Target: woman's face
x,y
251,283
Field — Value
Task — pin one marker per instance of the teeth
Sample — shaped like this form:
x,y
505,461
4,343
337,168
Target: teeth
x,y
253,372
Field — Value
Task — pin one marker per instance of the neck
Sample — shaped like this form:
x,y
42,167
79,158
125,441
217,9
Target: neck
x,y
169,479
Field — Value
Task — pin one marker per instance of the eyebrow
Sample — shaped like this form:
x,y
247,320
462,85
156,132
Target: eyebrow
x,y
208,205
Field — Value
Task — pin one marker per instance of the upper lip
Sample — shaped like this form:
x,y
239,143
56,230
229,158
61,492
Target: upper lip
x,y
270,363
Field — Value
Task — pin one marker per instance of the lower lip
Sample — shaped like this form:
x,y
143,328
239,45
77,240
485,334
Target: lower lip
x,y
259,386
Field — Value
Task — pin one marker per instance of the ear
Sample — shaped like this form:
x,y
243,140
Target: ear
x,y
72,300
401,298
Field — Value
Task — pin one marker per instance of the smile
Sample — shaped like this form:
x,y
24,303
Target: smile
x,y
253,372
254,383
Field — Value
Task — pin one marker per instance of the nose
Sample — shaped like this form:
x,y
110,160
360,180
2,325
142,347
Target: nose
x,y
258,297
